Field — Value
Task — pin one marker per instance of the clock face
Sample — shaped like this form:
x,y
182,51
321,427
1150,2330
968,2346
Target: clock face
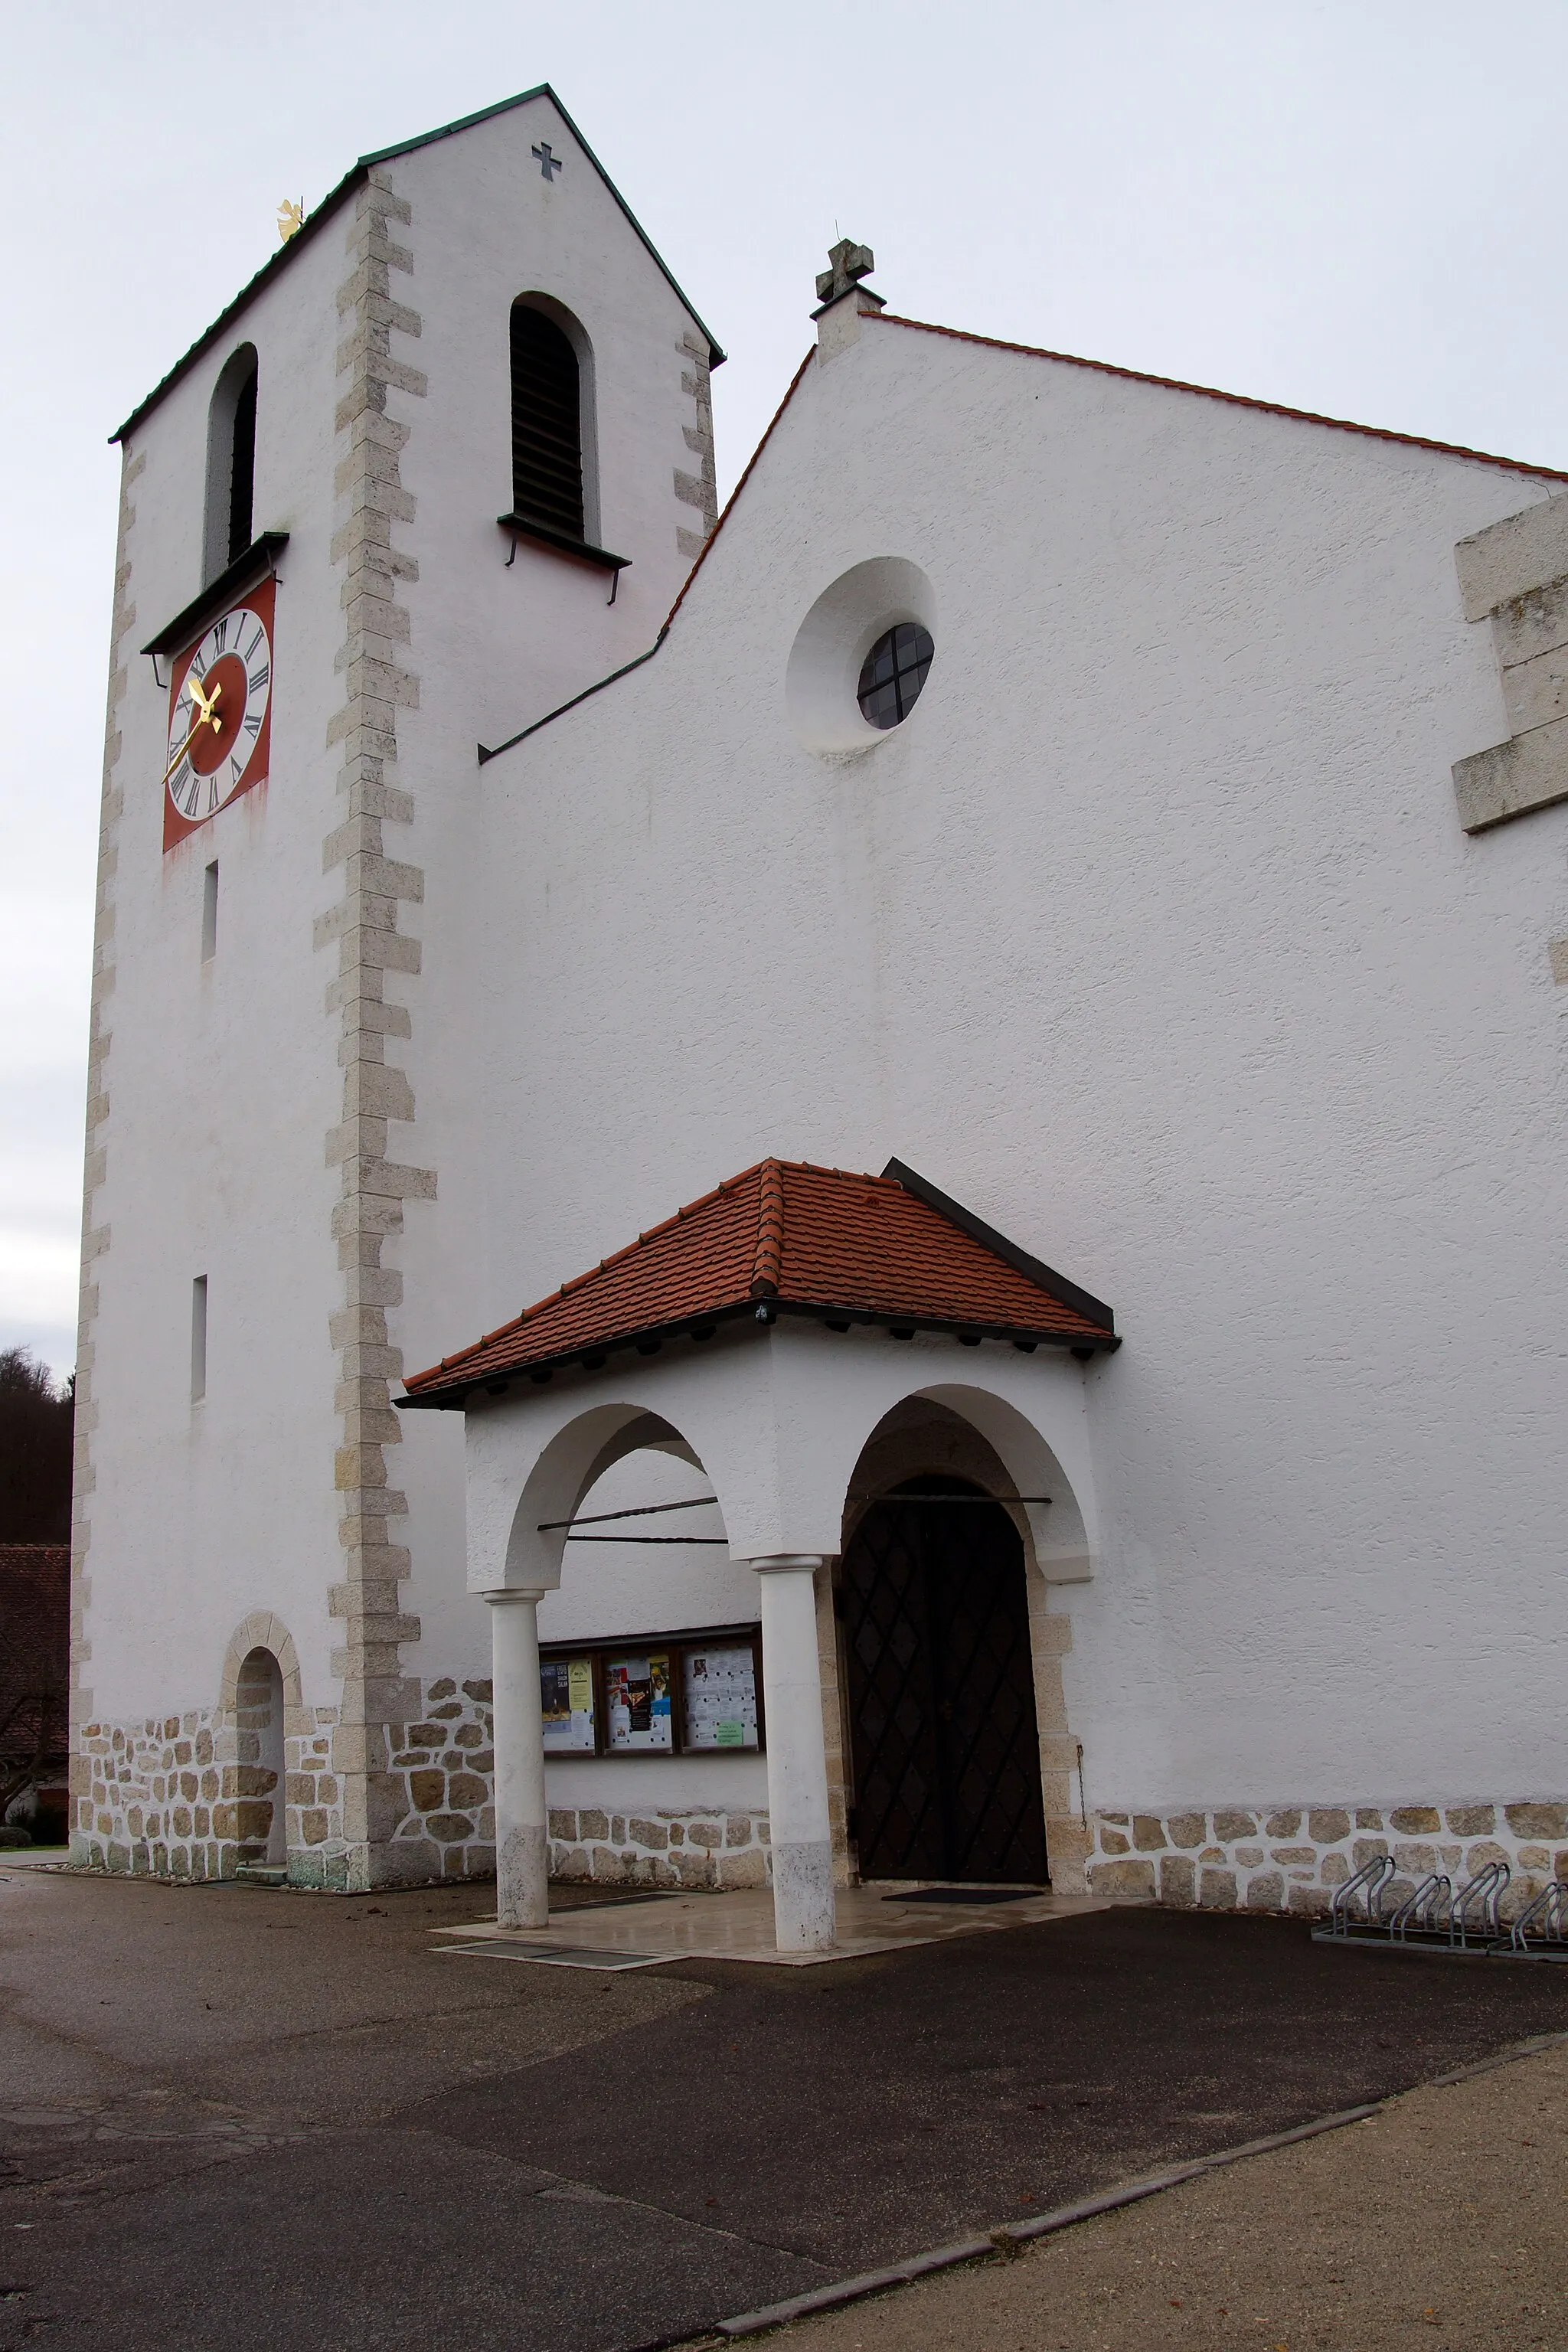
x,y
220,702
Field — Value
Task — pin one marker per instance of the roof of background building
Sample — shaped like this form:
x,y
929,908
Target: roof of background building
x,y
784,1237
354,178
34,1649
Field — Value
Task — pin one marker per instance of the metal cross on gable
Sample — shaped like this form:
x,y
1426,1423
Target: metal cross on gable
x,y
850,262
548,164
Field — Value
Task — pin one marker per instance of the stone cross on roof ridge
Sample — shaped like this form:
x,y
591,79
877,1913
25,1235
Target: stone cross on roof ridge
x,y
851,262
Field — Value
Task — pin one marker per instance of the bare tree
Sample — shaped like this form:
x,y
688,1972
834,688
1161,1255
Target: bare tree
x,y
36,1431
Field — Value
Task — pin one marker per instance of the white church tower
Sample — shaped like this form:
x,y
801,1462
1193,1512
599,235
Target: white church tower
x,y
441,465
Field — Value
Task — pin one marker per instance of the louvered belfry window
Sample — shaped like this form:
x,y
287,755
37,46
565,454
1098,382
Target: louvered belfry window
x,y
546,423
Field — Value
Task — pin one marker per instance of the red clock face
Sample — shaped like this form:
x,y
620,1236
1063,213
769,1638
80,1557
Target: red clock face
x,y
220,716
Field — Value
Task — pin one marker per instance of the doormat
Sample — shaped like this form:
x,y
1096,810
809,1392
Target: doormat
x,y
556,1956
970,1894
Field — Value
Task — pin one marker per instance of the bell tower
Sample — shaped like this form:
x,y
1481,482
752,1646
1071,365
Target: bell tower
x,y
452,446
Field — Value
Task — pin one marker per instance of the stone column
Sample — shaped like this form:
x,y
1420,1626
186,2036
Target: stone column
x,y
797,1762
523,1843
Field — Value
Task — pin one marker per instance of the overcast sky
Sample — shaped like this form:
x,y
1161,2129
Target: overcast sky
x,y
1350,206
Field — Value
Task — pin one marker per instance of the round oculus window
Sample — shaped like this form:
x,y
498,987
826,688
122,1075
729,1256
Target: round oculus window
x,y
894,674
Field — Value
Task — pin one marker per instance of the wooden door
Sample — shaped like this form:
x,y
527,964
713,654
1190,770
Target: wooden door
x,y
941,1697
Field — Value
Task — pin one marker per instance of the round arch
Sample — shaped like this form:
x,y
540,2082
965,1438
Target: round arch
x,y
260,1630
966,1433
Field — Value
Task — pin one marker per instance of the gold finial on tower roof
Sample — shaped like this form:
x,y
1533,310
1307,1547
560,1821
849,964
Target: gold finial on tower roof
x,y
290,217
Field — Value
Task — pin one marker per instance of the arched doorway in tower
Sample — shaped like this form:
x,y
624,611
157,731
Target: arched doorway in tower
x,y
261,1827
940,1688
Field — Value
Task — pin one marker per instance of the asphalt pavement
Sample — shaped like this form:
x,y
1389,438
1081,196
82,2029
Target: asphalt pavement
x,y
234,2119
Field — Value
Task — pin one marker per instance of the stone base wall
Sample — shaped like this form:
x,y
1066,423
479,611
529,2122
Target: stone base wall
x,y
701,1850
186,1796
159,1795
1290,1858
445,1763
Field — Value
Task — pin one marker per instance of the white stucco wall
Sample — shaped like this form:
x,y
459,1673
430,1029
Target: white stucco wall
x,y
1154,939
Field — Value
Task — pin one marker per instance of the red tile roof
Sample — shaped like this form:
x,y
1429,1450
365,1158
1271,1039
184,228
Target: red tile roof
x,y
787,1238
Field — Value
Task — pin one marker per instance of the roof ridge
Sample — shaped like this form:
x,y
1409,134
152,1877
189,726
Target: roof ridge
x,y
1213,392
767,1264
730,503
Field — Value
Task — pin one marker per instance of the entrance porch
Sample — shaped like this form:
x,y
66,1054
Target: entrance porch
x,y
888,1402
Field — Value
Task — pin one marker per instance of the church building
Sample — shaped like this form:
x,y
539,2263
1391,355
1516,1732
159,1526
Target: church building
x,y
866,1190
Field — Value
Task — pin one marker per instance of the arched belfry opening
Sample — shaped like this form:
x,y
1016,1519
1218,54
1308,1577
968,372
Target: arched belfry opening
x,y
260,1824
551,470
229,513
939,1688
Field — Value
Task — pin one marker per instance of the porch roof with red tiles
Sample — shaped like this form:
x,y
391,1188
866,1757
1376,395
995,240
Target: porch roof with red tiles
x,y
786,1238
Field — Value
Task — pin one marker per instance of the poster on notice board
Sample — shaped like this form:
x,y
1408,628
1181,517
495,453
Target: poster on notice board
x,y
721,1697
567,1699
636,1702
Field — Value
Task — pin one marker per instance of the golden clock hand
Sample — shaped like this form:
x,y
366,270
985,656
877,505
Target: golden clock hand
x,y
206,720
184,749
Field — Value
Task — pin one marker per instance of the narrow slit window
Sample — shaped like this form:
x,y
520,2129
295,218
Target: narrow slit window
x,y
242,470
546,423
198,1338
209,913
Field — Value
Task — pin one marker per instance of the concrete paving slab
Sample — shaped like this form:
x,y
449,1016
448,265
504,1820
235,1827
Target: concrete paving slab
x,y
551,1955
740,1925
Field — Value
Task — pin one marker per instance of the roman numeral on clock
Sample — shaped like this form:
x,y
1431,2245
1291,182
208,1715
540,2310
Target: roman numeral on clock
x,y
217,706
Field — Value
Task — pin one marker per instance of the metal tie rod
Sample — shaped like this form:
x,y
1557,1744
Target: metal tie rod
x,y
696,1502
639,1511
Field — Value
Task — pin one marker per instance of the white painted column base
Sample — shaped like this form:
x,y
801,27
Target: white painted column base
x,y
803,1917
523,1840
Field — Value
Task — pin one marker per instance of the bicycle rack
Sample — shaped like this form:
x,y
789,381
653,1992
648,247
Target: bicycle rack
x,y
1425,1913
1436,1918
1368,1884
1541,1931
1466,1931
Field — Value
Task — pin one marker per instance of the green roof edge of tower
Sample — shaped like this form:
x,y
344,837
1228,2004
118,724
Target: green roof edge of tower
x,y
355,177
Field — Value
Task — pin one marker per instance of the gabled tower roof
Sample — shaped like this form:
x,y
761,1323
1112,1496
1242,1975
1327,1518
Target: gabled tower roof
x,y
356,178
